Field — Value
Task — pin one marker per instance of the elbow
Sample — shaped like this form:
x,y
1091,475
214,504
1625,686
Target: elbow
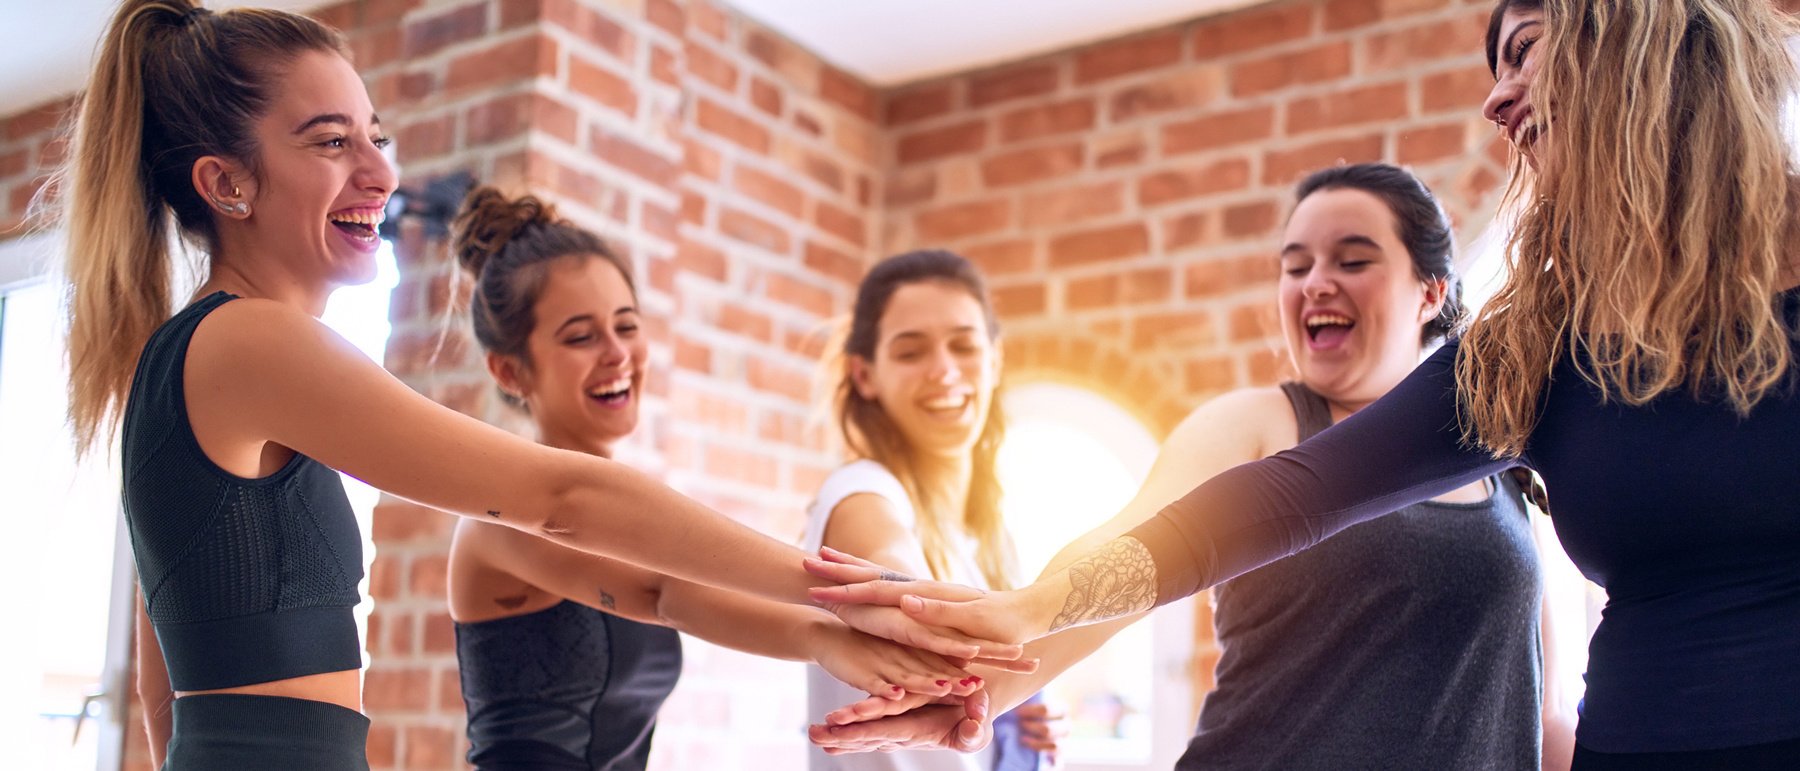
x,y
565,500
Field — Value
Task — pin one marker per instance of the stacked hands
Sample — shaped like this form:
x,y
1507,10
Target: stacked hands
x,y
947,629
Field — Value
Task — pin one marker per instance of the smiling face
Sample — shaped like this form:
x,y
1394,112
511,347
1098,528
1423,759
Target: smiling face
x,y
1516,62
588,357
935,367
1351,303
322,179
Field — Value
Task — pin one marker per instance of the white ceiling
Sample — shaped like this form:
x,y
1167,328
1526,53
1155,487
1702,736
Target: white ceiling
x,y
888,42
46,46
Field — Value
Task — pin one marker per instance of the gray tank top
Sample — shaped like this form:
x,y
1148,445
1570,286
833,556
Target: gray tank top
x,y
1406,642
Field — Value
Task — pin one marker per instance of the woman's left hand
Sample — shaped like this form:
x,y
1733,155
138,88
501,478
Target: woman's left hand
x,y
1000,622
884,669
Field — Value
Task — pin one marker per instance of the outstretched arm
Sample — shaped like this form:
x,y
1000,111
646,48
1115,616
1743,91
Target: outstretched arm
x,y
260,373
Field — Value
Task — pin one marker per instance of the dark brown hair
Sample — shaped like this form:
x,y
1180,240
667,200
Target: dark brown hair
x,y
172,83
507,245
870,433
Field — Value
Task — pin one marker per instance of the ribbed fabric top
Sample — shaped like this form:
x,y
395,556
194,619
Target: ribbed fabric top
x,y
246,580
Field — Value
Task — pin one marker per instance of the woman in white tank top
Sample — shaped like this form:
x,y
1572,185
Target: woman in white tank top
x,y
915,401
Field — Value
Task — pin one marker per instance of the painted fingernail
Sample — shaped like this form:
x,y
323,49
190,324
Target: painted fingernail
x,y
896,689
942,683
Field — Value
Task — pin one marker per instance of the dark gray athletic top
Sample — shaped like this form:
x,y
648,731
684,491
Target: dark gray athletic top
x,y
245,580
1687,513
567,687
1406,642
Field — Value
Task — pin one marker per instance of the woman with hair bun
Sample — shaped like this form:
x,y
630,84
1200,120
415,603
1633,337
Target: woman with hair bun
x,y
249,134
566,657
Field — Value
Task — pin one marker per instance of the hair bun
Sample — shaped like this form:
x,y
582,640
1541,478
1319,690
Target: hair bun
x,y
490,220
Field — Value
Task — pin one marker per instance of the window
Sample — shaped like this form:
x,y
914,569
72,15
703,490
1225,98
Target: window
x,y
1073,459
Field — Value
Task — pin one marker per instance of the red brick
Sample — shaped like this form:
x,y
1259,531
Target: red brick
x,y
932,144
701,161
438,635
425,139
1218,275
908,187
692,355
1020,300
1125,148
1149,285
663,67
1047,120
1253,29
1288,166
1319,64
1161,187
808,123
1462,89
768,190
1432,143
430,747
1345,14
1069,205
667,15
383,738
602,85
588,24
839,88
414,86
1256,219
1093,292
429,575
740,320
753,230
711,67
53,151
642,162
41,119
1117,242
428,35
385,580
962,220
1123,57
658,220
737,465
824,171
799,294
1426,43
1367,104
825,260
700,259
709,19
916,104
450,698
374,48
1269,366
1173,329
766,96
1000,258
1252,321
1018,82
840,223
798,67
1187,89
721,121
397,688
1218,130
1210,374
1024,166
514,60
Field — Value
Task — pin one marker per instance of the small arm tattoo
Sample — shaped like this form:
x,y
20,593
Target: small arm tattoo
x,y
494,514
894,575
1118,579
607,601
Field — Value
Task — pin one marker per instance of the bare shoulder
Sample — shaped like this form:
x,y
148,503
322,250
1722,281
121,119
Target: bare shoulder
x,y
1252,420
252,332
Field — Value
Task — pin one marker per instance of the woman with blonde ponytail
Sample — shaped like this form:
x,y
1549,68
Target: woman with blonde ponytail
x,y
249,134
1640,359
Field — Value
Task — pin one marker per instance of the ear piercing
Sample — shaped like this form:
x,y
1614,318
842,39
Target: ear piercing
x,y
240,208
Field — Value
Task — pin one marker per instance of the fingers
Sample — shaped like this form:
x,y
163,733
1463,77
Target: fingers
x,y
840,572
859,586
988,619
1022,666
833,555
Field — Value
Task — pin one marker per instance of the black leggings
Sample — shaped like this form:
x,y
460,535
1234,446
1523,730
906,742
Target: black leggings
x,y
239,731
1774,756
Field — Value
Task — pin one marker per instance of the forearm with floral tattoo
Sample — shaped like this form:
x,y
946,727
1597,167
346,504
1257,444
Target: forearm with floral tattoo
x,y
1118,579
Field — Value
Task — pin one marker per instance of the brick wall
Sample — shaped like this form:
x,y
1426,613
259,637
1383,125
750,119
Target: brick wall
x,y
1123,197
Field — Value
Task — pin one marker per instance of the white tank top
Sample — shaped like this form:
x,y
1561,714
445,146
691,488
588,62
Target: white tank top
x,y
825,693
